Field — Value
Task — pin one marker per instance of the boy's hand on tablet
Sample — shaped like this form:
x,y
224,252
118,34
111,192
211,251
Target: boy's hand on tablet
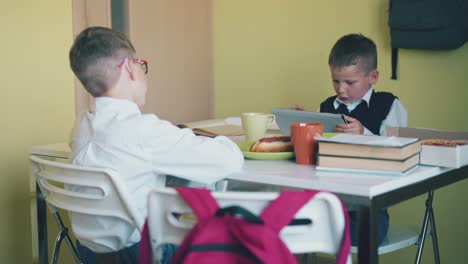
x,y
353,126
297,107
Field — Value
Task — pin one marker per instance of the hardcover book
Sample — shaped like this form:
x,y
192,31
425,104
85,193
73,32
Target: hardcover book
x,y
369,151
376,147
368,164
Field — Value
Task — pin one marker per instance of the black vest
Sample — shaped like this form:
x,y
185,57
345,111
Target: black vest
x,y
370,117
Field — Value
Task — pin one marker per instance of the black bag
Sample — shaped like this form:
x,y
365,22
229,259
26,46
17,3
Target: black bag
x,y
427,24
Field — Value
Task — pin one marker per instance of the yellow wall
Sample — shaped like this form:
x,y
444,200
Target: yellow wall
x,y
268,53
273,53
36,106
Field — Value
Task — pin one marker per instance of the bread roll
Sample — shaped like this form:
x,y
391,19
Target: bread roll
x,y
272,144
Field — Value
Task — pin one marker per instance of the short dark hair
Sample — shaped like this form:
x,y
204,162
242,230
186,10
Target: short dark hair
x,y
352,48
94,57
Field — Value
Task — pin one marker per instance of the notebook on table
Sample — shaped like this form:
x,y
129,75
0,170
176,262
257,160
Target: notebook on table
x,y
214,127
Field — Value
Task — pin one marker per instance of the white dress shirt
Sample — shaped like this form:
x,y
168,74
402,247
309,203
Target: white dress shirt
x,y
397,117
141,148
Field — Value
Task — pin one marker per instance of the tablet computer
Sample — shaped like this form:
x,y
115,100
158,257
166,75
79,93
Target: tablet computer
x,y
285,117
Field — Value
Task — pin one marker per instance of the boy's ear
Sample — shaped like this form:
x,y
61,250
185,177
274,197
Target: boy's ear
x,y
374,76
130,68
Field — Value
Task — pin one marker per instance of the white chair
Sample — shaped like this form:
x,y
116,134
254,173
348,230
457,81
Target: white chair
x,y
398,236
85,193
324,234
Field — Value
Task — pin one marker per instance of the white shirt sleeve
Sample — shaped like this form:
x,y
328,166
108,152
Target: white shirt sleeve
x,y
397,117
178,152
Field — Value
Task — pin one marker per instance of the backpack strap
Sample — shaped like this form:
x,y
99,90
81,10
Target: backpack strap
x,y
145,246
201,201
282,210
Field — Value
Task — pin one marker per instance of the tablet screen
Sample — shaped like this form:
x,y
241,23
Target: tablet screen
x,y
285,117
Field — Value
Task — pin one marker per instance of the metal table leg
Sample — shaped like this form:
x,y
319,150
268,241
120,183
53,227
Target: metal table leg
x,y
368,247
429,219
42,226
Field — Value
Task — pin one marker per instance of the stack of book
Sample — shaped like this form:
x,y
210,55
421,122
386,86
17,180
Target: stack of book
x,y
368,153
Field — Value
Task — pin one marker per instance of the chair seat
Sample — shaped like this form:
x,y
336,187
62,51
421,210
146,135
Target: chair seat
x,y
398,237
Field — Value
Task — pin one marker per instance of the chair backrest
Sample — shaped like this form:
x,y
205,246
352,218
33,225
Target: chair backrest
x,y
87,194
324,234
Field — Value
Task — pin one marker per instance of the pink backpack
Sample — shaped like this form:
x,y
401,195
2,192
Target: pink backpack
x,y
234,235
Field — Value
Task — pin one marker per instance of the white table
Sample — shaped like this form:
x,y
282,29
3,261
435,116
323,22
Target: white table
x,y
365,193
289,174
368,193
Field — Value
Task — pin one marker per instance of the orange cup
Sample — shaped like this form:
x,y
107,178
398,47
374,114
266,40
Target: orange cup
x,y
304,142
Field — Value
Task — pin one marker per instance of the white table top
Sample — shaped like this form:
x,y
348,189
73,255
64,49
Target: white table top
x,y
57,150
287,173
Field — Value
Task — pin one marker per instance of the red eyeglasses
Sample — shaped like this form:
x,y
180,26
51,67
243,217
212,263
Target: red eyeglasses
x,y
143,63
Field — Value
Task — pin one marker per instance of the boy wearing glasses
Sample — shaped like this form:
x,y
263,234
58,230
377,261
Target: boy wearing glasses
x,y
141,148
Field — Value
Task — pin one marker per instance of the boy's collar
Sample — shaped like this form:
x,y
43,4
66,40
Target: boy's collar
x,y
116,104
368,95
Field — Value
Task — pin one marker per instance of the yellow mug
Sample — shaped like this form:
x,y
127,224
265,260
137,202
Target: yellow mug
x,y
255,125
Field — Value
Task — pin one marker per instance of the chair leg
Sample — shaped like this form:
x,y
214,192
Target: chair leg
x,y
42,226
72,248
63,234
428,219
58,242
